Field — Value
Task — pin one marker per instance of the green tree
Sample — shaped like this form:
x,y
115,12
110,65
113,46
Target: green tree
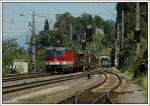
x,y
109,33
99,22
135,67
61,32
63,24
12,51
129,9
46,26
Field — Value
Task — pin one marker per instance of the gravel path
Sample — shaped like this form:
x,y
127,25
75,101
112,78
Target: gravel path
x,y
129,93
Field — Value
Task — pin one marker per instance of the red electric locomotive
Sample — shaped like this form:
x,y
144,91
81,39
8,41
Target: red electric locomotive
x,y
60,59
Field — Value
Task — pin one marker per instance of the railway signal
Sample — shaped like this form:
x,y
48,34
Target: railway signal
x,y
83,45
89,33
137,36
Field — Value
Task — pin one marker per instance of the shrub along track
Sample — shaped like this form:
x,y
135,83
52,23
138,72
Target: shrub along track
x,y
89,97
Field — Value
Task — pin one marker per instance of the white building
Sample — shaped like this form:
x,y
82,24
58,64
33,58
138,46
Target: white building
x,y
22,66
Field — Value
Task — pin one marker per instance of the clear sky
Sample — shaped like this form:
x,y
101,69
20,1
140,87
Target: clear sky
x,y
16,16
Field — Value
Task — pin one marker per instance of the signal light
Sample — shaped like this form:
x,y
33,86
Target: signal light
x,y
89,33
83,45
137,36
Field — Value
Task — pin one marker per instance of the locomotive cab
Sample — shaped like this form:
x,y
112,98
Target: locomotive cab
x,y
58,59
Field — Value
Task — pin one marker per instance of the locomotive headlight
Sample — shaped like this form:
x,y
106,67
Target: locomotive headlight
x,y
55,59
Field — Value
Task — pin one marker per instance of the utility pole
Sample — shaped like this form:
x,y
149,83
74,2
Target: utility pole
x,y
137,29
116,54
117,46
122,31
33,43
70,31
51,25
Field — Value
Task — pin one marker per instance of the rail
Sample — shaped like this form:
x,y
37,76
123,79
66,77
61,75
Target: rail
x,y
88,97
24,86
23,76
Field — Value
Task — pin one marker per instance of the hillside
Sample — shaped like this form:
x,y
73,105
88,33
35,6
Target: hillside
x,y
129,63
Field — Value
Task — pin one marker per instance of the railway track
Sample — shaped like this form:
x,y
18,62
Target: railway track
x,y
23,76
19,74
24,86
89,97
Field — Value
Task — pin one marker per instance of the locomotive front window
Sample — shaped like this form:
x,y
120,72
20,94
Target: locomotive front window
x,y
55,52
51,52
59,53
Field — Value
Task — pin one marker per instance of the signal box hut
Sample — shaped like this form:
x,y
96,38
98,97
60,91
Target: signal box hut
x,y
22,65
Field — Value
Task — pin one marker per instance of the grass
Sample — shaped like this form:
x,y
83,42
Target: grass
x,y
34,100
141,78
145,82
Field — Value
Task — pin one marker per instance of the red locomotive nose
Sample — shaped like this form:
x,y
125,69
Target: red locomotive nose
x,y
58,58
54,59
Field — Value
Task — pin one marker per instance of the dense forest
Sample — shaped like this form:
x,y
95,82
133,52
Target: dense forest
x,y
136,67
